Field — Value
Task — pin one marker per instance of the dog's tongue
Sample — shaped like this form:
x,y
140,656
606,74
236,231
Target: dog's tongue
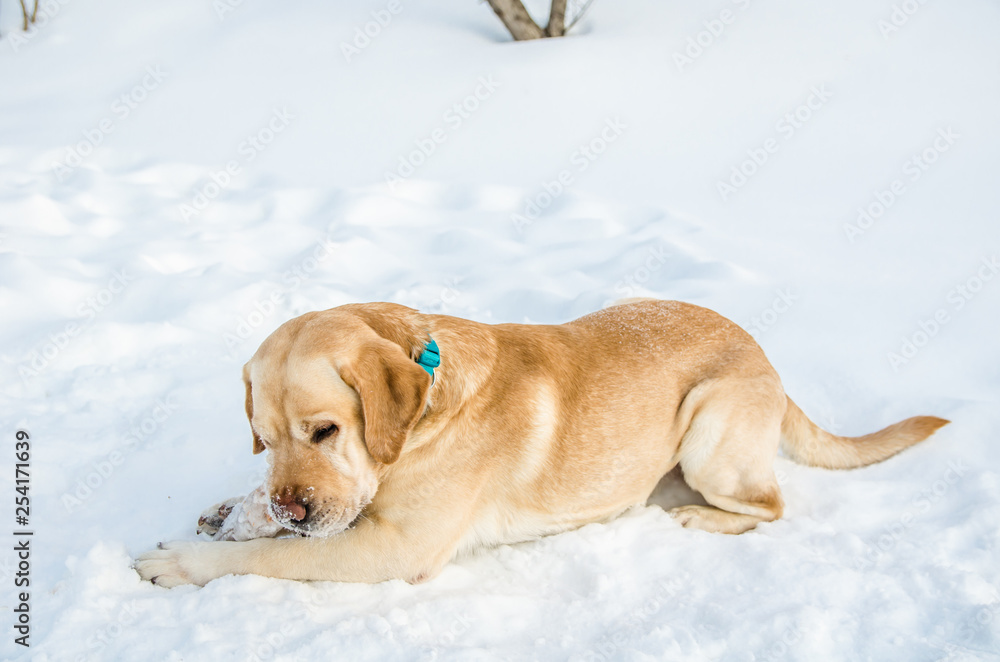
x,y
289,508
296,511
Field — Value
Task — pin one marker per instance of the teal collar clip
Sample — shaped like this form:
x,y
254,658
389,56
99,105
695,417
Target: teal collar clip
x,y
430,358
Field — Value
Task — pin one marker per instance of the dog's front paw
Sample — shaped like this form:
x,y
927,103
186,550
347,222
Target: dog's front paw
x,y
178,563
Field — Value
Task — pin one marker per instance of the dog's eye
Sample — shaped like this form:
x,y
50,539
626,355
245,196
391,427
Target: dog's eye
x,y
324,432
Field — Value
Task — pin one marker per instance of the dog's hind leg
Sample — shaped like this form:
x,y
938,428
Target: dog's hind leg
x,y
727,454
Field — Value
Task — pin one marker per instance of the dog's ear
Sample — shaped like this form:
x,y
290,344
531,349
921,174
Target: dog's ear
x,y
393,391
258,445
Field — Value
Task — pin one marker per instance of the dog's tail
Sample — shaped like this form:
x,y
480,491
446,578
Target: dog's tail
x,y
807,443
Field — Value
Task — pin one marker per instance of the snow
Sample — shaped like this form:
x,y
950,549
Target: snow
x,y
136,314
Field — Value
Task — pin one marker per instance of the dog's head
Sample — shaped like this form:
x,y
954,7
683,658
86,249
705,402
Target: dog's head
x,y
332,397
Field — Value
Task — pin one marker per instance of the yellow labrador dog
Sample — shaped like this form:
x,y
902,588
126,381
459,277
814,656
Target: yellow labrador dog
x,y
398,440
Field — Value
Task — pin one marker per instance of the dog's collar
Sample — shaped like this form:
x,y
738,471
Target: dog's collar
x,y
430,358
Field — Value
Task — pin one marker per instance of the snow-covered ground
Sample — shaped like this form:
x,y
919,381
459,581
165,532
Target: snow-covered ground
x,y
178,180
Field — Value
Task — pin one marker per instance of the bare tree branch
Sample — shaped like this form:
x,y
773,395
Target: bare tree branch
x,y
24,12
557,19
34,12
579,15
517,19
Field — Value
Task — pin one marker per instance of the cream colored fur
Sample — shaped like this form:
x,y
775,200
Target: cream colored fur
x,y
528,430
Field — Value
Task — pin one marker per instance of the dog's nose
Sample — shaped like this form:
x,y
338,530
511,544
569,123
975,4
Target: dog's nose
x,y
287,504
